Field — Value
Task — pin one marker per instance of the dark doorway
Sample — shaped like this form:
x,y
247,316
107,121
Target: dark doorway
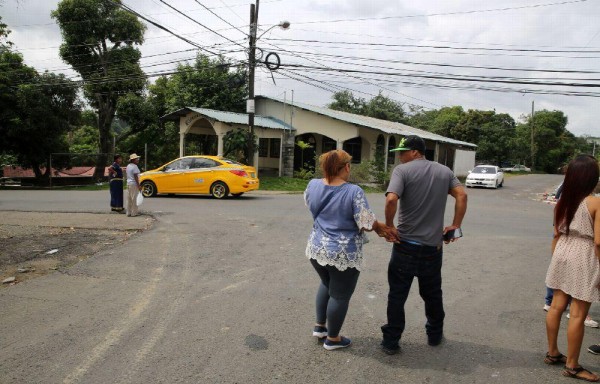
x,y
305,158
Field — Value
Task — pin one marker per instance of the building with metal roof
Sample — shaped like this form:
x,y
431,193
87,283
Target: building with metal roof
x,y
280,126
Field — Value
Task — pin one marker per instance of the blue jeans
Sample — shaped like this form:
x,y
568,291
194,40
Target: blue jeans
x,y
407,262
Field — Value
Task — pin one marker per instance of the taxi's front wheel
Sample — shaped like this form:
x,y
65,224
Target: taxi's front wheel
x,y
219,190
148,189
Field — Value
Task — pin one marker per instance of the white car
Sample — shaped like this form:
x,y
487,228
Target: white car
x,y
517,168
488,176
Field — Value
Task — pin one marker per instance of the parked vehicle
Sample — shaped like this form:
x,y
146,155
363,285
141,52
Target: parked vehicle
x,y
212,175
517,168
488,176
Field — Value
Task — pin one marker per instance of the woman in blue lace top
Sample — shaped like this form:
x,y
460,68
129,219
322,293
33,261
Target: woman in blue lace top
x,y
341,214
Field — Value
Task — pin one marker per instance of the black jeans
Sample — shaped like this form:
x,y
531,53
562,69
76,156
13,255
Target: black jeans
x,y
333,296
407,262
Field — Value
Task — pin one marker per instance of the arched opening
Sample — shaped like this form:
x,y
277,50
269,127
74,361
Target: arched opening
x,y
201,139
305,151
354,149
391,155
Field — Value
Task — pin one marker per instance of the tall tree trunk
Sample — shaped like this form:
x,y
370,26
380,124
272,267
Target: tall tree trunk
x,y
106,114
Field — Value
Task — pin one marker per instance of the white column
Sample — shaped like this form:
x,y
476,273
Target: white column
x,y
181,143
220,144
339,145
386,151
436,155
281,153
255,162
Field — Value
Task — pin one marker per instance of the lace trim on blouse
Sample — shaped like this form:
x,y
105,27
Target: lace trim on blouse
x,y
335,252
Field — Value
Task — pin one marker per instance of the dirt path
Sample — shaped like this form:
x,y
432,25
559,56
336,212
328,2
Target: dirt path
x,y
36,243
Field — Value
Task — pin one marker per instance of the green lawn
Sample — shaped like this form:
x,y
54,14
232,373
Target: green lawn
x,y
290,184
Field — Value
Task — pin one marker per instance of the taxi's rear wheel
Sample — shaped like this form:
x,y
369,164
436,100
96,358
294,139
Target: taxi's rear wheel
x,y
149,189
219,190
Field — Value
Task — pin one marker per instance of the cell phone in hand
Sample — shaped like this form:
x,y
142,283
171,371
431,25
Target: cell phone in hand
x,y
453,234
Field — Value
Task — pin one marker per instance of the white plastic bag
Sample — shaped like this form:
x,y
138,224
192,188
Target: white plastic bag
x,y
140,199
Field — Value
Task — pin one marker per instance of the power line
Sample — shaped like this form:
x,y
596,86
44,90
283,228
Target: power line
x,y
442,14
211,11
448,77
443,64
200,24
157,25
437,46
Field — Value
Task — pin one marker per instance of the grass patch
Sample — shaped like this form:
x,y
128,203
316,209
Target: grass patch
x,y
290,184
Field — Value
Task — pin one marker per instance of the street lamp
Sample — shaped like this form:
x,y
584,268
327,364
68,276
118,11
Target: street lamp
x,y
250,106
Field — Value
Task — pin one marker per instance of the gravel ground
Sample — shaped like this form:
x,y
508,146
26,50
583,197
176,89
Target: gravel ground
x,y
35,243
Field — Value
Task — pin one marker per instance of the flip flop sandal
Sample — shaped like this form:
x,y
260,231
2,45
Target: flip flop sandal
x,y
558,359
573,372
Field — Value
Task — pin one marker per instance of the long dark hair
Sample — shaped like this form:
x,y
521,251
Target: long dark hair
x,y
580,180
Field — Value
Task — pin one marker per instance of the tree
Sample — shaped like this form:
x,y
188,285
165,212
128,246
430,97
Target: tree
x,y
207,83
553,144
379,107
385,108
98,42
495,138
346,102
45,108
35,110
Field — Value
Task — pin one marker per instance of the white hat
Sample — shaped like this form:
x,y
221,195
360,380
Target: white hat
x,y
133,156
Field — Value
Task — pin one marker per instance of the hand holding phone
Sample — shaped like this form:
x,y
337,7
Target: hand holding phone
x,y
452,234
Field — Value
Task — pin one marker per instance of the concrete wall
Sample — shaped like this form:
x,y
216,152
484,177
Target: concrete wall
x,y
464,161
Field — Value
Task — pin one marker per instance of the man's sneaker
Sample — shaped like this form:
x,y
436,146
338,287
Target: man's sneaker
x,y
590,323
331,345
546,307
319,332
595,349
435,340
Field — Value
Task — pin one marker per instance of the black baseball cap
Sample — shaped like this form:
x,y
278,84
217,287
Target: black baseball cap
x,y
409,143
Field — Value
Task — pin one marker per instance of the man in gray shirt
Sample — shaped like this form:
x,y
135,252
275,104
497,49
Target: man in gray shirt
x,y
422,188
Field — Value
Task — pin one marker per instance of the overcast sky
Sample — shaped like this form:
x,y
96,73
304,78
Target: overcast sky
x,y
417,41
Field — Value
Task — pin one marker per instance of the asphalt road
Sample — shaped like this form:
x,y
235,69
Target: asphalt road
x,y
221,292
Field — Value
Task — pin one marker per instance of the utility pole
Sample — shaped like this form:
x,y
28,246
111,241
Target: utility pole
x,y
532,136
250,107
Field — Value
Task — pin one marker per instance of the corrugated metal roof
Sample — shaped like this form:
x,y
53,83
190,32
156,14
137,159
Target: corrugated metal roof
x,y
231,118
389,127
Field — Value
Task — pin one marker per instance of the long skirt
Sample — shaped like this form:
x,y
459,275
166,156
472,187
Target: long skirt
x,y
116,194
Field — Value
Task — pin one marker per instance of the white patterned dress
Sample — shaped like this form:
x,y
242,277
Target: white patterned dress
x,y
574,268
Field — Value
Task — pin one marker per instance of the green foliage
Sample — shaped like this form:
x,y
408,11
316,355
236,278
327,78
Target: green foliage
x,y
345,101
362,173
303,147
41,116
84,139
283,184
206,83
98,42
305,173
235,145
379,107
143,128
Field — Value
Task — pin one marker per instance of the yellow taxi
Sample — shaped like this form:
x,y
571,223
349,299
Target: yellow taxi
x,y
212,175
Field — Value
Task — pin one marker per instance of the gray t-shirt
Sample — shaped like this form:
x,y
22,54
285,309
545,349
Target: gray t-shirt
x,y
422,187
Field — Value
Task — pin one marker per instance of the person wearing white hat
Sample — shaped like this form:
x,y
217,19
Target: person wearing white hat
x,y
133,184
